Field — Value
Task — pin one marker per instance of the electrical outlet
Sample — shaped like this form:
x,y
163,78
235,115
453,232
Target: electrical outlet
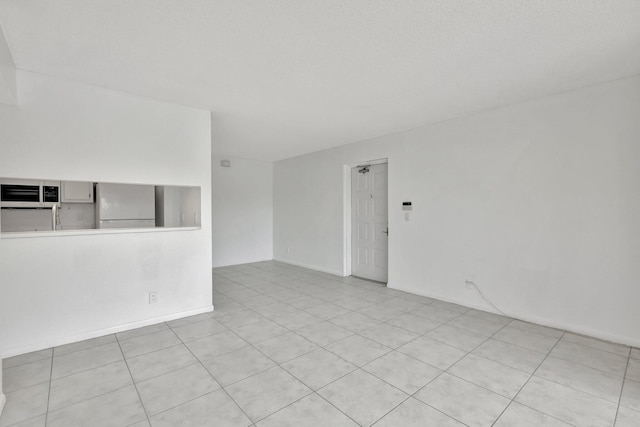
x,y
153,297
288,251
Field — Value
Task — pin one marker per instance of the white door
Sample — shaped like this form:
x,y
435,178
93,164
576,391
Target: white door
x,y
369,224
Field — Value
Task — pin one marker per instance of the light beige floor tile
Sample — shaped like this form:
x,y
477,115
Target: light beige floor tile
x,y
401,371
358,350
413,413
456,337
510,354
627,418
404,304
147,343
286,347
25,404
381,312
166,391
216,345
215,407
192,331
296,320
305,302
567,404
83,345
633,370
237,365
324,333
389,335
352,303
82,360
619,349
354,321
538,329
274,310
589,380
189,319
362,396
38,421
631,395
635,353
160,362
475,325
267,392
413,323
488,317
75,388
318,368
239,319
517,415
258,332
310,411
591,357
432,352
326,311
466,402
491,375
27,358
437,314
27,375
138,332
526,339
118,408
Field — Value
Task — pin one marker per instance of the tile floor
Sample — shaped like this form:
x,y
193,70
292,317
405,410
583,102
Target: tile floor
x,y
293,347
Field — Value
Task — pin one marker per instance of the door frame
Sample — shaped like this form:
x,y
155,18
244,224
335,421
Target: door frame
x,y
346,220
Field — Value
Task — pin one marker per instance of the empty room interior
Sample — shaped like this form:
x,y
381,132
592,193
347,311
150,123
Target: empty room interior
x,y
319,213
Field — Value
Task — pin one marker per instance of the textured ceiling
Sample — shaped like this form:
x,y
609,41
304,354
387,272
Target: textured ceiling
x,y
286,77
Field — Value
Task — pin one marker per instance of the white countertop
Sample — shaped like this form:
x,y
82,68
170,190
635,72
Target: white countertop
x,y
92,231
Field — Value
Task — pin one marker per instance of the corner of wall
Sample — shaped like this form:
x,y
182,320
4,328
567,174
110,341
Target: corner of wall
x,y
3,398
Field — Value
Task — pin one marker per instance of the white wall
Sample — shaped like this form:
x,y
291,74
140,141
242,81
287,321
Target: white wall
x,y
8,87
537,203
242,198
60,289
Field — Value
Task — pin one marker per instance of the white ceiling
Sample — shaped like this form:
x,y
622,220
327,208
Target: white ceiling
x,y
286,77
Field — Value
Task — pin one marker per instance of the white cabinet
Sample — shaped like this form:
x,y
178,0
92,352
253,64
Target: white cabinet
x,y
76,192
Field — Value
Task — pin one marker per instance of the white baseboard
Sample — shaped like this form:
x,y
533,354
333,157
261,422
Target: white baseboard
x,y
630,341
54,342
251,261
310,267
3,400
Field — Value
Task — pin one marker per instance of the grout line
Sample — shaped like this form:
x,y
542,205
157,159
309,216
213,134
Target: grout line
x,y
144,408
531,376
624,380
46,414
217,382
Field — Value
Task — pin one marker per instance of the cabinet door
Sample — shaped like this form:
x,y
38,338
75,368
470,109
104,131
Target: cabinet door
x,y
77,192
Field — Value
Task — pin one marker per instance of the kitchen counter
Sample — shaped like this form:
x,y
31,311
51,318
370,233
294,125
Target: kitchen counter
x,y
65,233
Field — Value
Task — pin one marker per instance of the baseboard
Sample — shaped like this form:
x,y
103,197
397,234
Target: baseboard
x,y
101,332
532,319
242,262
310,267
3,400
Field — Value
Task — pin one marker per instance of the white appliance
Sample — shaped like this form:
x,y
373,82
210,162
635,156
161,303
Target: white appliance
x,y
125,206
29,193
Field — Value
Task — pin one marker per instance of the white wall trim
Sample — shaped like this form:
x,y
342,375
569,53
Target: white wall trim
x,y
101,332
310,267
346,240
532,319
